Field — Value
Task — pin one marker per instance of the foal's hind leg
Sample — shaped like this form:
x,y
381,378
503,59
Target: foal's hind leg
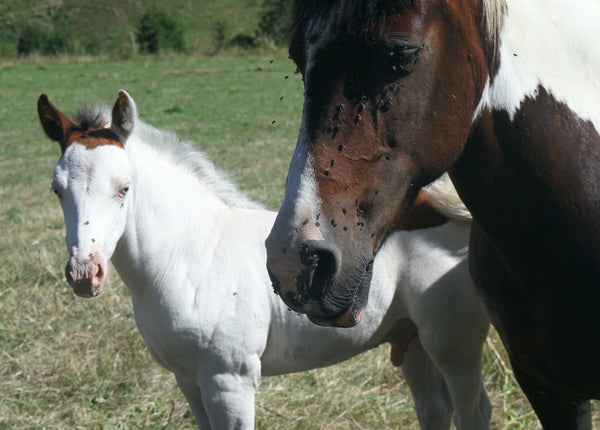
x,y
429,390
554,410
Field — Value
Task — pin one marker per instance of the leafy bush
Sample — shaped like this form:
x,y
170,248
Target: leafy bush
x,y
32,39
158,31
273,27
218,36
59,38
275,21
244,41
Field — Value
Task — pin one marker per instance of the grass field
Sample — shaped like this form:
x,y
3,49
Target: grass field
x,y
68,362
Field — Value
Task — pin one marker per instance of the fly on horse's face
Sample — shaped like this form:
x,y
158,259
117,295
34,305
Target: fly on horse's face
x,y
389,100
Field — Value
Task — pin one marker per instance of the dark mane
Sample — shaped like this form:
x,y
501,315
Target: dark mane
x,y
357,17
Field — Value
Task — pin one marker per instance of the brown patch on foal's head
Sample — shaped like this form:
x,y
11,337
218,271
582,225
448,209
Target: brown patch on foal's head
x,y
89,130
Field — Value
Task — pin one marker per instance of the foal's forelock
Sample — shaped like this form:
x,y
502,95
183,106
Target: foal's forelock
x,y
92,118
92,128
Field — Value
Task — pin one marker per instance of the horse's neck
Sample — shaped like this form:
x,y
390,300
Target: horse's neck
x,y
549,44
528,172
168,209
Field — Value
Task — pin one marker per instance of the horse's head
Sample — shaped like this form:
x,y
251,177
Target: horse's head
x,y
391,88
93,181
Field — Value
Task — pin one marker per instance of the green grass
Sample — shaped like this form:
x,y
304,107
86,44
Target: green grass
x,y
67,362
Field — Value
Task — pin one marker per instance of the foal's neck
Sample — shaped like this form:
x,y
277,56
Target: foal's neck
x,y
169,209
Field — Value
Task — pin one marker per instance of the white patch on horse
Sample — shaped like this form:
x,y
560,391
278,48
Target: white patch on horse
x,y
302,202
552,44
308,204
80,175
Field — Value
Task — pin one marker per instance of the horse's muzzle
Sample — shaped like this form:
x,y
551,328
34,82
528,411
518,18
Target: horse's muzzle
x,y
310,284
85,276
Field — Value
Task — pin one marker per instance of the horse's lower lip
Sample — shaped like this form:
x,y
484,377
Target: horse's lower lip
x,y
348,318
86,289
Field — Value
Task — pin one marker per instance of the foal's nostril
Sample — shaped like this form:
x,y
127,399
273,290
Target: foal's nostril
x,y
321,261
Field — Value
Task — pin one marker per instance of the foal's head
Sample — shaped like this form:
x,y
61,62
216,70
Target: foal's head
x,y
391,87
92,180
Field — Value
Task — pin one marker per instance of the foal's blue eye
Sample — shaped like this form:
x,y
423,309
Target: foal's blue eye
x,y
123,192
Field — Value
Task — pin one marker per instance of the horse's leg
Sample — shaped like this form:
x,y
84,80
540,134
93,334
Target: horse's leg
x,y
228,386
453,332
428,388
514,323
472,406
554,410
229,401
194,399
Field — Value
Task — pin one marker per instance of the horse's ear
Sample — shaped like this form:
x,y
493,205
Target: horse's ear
x,y
124,114
55,124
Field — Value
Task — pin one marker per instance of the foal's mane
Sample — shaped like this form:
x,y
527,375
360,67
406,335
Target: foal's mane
x,y
179,153
445,199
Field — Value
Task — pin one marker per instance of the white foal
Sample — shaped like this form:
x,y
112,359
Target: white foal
x,y
190,249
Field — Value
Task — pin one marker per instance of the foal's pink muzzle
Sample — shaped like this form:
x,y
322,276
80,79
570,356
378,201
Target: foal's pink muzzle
x,y
85,276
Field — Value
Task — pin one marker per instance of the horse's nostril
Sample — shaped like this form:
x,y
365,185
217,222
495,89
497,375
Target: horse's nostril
x,y
321,261
323,272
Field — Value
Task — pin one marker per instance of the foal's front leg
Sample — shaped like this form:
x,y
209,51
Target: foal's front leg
x,y
194,398
228,385
229,401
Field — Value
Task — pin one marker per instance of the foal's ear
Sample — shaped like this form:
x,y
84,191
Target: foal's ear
x,y
124,114
55,124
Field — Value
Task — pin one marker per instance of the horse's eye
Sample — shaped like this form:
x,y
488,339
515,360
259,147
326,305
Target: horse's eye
x,y
57,192
400,57
123,192
408,50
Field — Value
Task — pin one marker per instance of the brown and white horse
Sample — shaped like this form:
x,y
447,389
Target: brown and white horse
x,y
504,94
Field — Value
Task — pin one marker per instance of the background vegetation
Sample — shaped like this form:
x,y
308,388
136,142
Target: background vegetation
x,y
67,362
120,28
